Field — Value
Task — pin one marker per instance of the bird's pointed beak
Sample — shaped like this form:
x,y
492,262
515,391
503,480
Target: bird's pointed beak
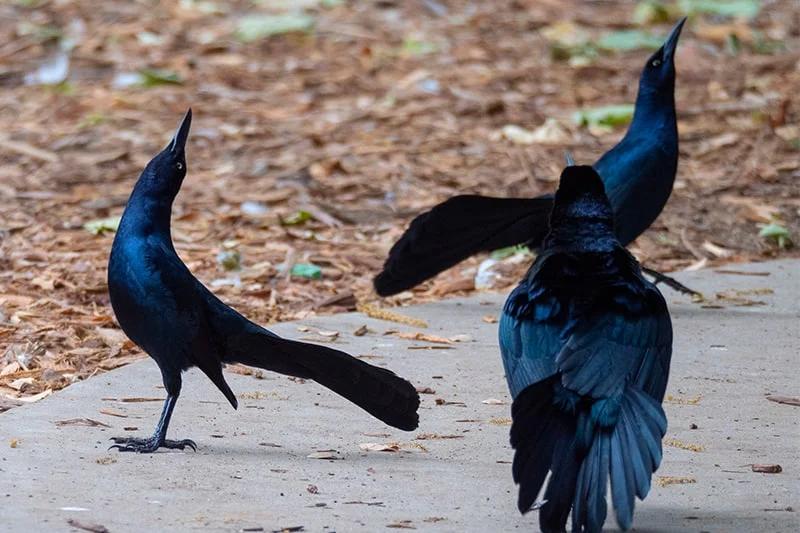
x,y
178,143
672,41
569,158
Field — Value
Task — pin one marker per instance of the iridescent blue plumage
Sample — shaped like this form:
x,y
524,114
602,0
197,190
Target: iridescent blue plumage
x,y
638,174
586,344
173,317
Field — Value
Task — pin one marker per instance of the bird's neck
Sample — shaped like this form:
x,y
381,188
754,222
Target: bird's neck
x,y
147,214
580,242
655,110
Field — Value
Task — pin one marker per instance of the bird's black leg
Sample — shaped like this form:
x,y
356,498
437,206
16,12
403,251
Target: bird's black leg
x,y
672,283
159,438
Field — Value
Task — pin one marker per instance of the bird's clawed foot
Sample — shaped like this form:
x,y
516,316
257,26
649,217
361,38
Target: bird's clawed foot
x,y
150,444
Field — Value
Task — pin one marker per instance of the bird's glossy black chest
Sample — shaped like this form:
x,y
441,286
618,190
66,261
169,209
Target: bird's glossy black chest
x,y
136,294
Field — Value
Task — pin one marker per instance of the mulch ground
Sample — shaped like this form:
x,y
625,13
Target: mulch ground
x,y
318,146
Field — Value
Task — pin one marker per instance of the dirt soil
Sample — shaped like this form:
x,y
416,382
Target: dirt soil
x,y
370,114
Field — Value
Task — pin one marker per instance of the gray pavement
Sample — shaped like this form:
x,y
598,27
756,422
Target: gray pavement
x,y
253,469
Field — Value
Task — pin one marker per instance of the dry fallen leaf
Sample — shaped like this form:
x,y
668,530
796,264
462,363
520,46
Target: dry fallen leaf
x,y
430,347
675,443
134,399
787,400
664,481
378,447
442,401
111,412
715,143
419,336
88,422
325,454
682,401
402,524
86,526
373,311
436,436
493,401
35,397
767,469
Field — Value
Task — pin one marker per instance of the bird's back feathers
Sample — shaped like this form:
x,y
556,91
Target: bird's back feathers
x,y
586,344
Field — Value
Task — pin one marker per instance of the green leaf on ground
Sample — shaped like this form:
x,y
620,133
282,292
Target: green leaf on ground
x,y
153,77
230,260
297,218
508,251
415,47
650,12
727,8
255,27
102,225
40,32
777,234
608,116
629,40
306,270
569,42
92,118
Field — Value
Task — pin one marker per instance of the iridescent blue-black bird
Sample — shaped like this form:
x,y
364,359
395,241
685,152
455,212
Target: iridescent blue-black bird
x,y
164,309
638,174
586,343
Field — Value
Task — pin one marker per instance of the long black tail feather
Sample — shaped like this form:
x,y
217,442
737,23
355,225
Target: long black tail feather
x,y
547,438
457,229
378,391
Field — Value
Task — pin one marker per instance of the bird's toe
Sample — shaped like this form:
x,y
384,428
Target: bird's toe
x,y
132,444
180,444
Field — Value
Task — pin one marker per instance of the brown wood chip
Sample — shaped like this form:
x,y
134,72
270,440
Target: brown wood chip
x,y
787,400
767,469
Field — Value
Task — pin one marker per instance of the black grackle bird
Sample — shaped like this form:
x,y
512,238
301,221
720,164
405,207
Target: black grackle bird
x,y
164,309
586,343
638,174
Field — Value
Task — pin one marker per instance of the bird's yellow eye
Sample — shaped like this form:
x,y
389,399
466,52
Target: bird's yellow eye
x,y
179,166
656,62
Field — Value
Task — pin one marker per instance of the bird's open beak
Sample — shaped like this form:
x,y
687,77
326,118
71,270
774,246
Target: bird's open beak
x,y
178,143
672,40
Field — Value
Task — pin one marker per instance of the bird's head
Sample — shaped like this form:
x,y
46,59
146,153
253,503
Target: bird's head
x,y
581,218
165,172
659,71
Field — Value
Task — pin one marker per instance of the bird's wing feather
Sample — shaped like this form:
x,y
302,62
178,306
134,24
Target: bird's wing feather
x,y
194,338
530,334
618,346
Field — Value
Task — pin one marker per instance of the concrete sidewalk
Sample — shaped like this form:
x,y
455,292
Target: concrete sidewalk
x,y
265,467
